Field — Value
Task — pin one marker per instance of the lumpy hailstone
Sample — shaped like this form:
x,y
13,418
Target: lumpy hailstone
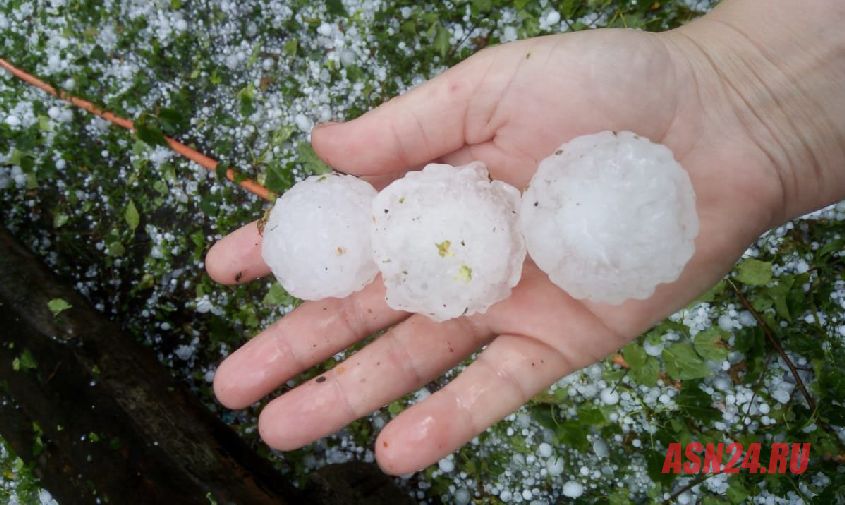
x,y
317,239
609,216
446,240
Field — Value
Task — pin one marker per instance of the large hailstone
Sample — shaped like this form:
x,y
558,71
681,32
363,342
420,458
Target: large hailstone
x,y
609,216
317,238
447,240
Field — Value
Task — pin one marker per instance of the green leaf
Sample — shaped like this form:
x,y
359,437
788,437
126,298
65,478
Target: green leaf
x,y
281,135
58,305
31,181
277,296
26,361
116,249
441,40
172,122
44,123
780,293
290,47
654,467
148,130
634,355
697,404
709,344
395,408
736,490
591,416
648,373
131,215
831,247
198,238
645,370
311,162
544,415
683,363
573,433
335,8
568,8
246,99
482,6
277,178
59,220
754,272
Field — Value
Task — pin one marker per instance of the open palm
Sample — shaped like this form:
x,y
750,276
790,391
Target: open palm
x,y
509,106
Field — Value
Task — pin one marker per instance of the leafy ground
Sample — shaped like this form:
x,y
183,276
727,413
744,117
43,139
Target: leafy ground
x,y
128,223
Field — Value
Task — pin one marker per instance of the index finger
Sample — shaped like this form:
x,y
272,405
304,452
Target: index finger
x,y
426,123
236,258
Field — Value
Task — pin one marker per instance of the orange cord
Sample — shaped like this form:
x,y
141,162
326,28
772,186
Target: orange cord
x,y
193,155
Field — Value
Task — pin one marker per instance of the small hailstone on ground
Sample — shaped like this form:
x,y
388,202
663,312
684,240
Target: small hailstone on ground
x,y
572,489
545,450
446,240
609,216
554,465
446,464
609,396
600,448
317,238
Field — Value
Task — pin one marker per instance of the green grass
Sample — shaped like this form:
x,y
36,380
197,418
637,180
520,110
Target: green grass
x,y
17,481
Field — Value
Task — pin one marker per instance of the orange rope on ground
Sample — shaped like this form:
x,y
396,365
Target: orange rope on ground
x,y
197,157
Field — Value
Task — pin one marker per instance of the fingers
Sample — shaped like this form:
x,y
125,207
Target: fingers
x,y
503,164
400,361
236,258
312,333
407,131
506,375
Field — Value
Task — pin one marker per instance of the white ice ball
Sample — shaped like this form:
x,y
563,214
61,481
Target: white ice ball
x,y
573,489
446,240
609,216
317,239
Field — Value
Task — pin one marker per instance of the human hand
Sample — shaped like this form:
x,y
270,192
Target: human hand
x,y
509,106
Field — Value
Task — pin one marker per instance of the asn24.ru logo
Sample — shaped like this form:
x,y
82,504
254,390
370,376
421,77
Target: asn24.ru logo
x,y
700,458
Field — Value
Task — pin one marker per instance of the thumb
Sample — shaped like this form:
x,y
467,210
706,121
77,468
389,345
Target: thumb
x,y
407,131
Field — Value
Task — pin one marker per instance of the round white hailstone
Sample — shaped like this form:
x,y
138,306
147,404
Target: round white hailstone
x,y
554,466
544,450
462,496
609,396
303,122
600,448
653,348
446,465
347,57
324,29
572,489
446,240
317,239
610,216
